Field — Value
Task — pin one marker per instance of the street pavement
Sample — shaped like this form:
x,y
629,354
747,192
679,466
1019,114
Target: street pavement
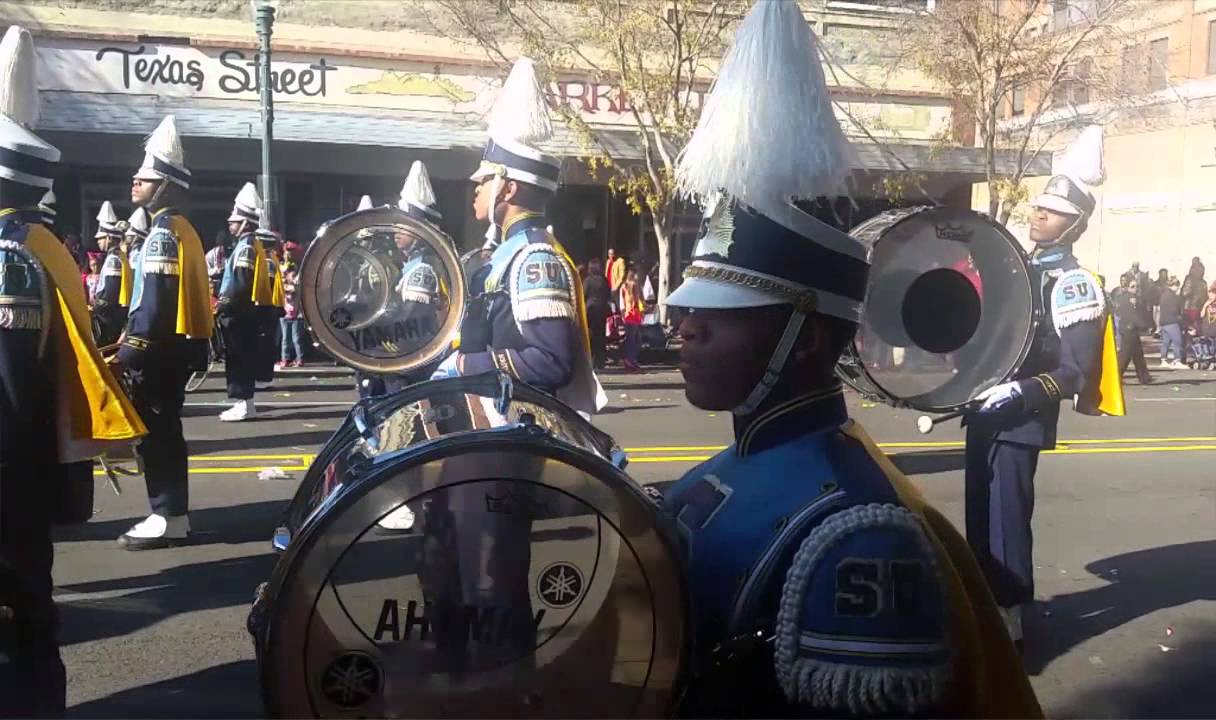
x,y
1125,552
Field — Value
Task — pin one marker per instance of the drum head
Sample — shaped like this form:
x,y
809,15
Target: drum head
x,y
381,291
950,309
535,578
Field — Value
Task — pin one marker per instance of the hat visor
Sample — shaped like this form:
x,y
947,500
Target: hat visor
x,y
704,294
145,173
1056,203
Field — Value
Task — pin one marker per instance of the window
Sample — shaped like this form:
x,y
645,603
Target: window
x,y
1212,47
1133,67
1019,100
1074,89
1158,63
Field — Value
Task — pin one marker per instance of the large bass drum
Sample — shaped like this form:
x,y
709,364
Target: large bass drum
x,y
950,309
468,547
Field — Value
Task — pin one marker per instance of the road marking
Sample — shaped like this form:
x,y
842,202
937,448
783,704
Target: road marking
x,y
302,463
69,596
279,403
1176,399
943,444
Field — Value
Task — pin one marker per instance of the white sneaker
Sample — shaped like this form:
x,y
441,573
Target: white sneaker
x,y
1013,621
156,531
399,520
240,410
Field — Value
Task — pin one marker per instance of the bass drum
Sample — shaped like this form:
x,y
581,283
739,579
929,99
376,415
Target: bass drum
x,y
949,313
530,576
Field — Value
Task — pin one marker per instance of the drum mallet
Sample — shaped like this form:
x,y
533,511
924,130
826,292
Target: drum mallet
x,y
925,423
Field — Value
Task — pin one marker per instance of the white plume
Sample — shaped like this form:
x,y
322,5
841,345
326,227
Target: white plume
x,y
365,203
248,197
48,200
139,220
768,132
417,189
1083,159
106,216
520,112
19,77
165,143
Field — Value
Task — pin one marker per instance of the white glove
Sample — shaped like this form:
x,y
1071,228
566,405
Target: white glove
x,y
447,368
998,396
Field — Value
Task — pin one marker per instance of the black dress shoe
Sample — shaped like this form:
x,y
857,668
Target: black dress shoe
x,y
126,542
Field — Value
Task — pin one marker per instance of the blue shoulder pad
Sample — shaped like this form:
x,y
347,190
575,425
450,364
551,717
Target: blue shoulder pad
x,y
244,256
862,623
542,284
160,252
1077,297
112,267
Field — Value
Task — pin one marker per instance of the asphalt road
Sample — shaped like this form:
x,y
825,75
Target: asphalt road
x,y
1125,517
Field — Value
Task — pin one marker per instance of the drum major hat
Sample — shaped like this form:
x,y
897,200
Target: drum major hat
x,y
750,159
164,158
365,203
47,207
1075,173
25,158
138,225
418,197
107,222
518,123
248,205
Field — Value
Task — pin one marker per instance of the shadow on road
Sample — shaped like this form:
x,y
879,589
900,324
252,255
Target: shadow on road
x,y
249,522
223,691
259,442
1173,685
928,462
1139,583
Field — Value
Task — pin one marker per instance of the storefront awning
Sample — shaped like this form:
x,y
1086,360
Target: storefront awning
x,y
75,112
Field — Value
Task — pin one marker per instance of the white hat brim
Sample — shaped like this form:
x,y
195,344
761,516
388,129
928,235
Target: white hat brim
x,y
705,294
1056,203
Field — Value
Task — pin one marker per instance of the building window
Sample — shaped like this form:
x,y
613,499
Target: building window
x,y
1073,89
1212,47
1133,69
1018,106
1158,58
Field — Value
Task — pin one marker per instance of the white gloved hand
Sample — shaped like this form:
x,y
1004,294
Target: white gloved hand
x,y
998,396
448,368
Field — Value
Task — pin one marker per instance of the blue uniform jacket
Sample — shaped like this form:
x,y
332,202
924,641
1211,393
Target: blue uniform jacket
x,y
531,312
236,289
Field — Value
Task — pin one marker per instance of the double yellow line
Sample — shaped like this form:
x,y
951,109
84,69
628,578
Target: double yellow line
x,y
1101,446
214,464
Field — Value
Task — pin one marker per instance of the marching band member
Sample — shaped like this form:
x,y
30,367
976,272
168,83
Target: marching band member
x,y
1073,356
168,328
244,280
108,309
59,404
268,308
525,316
822,583
133,235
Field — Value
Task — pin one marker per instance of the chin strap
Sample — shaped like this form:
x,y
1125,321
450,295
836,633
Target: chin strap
x,y
492,238
775,365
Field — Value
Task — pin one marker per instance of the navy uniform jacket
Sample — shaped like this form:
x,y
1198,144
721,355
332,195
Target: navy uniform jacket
x,y
236,288
822,586
1065,360
527,322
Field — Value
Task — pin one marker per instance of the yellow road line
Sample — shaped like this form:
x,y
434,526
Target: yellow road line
x,y
233,458
1058,451
943,444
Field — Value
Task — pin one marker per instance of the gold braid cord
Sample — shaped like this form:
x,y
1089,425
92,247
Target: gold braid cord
x,y
804,301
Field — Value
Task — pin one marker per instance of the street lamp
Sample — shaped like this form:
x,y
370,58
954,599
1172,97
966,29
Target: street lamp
x,y
263,12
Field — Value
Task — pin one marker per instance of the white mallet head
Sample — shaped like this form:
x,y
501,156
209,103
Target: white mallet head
x,y
924,423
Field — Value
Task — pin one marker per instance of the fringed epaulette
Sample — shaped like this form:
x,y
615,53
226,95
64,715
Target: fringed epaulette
x,y
24,293
861,629
1076,297
542,284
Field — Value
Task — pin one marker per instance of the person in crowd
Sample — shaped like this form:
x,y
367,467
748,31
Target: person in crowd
x,y
1131,321
292,324
1171,325
1206,340
599,307
632,309
92,281
217,256
1194,293
1157,287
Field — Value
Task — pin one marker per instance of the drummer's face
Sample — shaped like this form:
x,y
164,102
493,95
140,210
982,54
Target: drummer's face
x,y
1048,225
725,353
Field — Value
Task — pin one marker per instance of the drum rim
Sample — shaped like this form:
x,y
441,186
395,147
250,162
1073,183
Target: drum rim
x,y
442,448
884,395
441,244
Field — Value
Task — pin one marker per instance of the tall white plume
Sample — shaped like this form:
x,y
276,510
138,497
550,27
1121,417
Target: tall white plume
x,y
1083,159
417,189
365,203
520,112
768,132
165,143
139,220
19,77
106,216
48,199
248,197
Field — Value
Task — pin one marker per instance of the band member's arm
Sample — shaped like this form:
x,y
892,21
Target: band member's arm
x,y
236,295
111,281
153,316
542,299
1078,310
864,627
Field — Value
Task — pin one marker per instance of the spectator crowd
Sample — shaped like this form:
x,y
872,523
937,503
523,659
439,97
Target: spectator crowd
x,y
1182,314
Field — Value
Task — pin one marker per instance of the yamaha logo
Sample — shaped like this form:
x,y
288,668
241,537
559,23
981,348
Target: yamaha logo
x,y
351,680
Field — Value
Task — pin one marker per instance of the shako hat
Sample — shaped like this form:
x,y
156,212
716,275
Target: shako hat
x,y
418,197
25,158
164,158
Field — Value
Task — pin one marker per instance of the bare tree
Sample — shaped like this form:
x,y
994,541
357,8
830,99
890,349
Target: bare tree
x,y
1020,70
660,53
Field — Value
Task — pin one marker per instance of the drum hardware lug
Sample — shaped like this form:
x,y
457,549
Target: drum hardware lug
x,y
281,539
618,458
505,392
